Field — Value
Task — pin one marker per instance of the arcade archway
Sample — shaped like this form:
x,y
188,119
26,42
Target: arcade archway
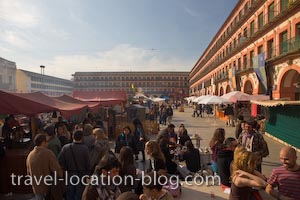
x,y
248,88
290,85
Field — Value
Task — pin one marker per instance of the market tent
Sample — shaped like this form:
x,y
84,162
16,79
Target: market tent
x,y
283,120
213,100
140,95
237,96
94,106
104,97
66,109
157,99
13,104
272,103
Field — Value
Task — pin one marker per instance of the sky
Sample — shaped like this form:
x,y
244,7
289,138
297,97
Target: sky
x,y
68,36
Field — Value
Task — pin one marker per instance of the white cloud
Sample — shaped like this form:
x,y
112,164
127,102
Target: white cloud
x,y
13,39
19,13
120,58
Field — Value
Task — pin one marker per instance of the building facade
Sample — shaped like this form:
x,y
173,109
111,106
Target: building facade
x,y
256,50
7,75
34,82
174,84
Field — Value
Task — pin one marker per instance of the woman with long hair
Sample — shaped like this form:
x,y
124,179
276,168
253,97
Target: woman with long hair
x,y
244,176
127,169
157,159
215,145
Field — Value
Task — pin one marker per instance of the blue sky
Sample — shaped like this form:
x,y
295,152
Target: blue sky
x,y
68,36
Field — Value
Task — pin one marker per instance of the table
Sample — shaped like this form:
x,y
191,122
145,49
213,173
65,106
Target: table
x,y
206,158
197,139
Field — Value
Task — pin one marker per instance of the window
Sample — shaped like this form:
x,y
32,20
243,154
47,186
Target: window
x,y
239,38
297,34
245,32
260,20
284,5
297,30
240,14
259,49
251,28
234,43
239,64
246,7
245,61
251,58
271,12
283,42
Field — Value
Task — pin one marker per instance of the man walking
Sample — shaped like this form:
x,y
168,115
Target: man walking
x,y
41,162
254,142
74,158
285,178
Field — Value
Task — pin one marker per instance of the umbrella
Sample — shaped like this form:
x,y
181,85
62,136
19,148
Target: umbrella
x,y
157,99
139,95
214,100
237,96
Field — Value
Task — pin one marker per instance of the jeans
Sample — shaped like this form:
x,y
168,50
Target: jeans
x,y
74,192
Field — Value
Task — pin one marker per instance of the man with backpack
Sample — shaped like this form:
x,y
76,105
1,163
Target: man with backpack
x,y
254,142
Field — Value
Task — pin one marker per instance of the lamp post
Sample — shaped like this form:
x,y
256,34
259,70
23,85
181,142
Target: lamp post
x,y
42,75
42,69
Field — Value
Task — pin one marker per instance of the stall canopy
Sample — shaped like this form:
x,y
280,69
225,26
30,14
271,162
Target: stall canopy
x,y
104,97
13,104
66,109
283,120
94,106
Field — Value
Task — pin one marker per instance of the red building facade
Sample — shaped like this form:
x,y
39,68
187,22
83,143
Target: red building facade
x,y
256,50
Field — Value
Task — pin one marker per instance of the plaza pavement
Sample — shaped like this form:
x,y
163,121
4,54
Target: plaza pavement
x,y
205,127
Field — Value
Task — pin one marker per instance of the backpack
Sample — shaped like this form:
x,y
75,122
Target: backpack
x,y
265,148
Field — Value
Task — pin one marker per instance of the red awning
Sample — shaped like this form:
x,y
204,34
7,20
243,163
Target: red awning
x,y
104,97
94,106
13,104
66,109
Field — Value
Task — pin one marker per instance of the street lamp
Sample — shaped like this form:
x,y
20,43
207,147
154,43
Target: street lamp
x,y
42,74
42,69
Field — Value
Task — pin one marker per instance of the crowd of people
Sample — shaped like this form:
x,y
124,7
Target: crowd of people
x,y
85,152
238,162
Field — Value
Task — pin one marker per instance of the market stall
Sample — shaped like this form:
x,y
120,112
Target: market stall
x,y
283,120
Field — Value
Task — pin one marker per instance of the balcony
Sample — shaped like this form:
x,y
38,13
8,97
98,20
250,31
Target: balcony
x,y
285,48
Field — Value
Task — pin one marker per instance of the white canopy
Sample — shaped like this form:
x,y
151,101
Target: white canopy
x,y
213,100
237,96
157,99
272,103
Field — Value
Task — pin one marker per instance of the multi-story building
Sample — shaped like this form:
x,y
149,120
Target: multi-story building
x,y
7,75
174,84
256,50
34,82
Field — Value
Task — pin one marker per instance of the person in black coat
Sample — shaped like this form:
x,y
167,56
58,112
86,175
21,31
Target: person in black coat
x,y
225,157
164,146
191,157
184,137
140,138
126,139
